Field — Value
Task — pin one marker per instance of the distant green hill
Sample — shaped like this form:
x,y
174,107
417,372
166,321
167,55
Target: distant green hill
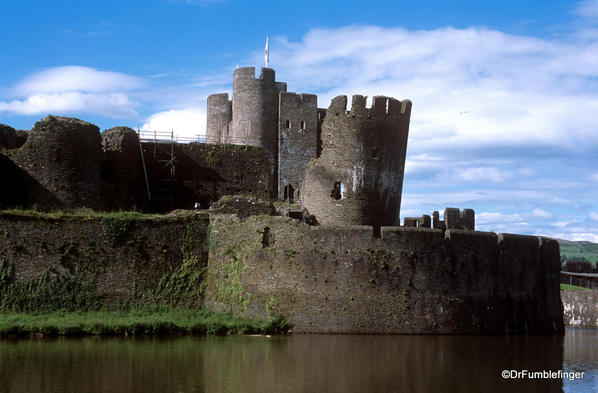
x,y
579,249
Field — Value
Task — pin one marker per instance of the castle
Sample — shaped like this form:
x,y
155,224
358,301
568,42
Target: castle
x,y
345,166
357,272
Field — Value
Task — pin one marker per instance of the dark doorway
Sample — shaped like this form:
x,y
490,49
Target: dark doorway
x,y
289,193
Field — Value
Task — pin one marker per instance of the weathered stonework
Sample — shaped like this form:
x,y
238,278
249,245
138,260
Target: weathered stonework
x,y
124,256
122,166
298,141
580,308
219,115
8,137
331,279
255,113
324,279
64,156
358,178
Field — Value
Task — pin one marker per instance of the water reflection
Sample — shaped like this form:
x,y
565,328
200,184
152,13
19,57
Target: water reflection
x,y
301,363
581,354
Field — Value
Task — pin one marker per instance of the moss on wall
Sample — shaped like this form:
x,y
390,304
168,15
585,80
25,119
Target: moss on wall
x,y
88,262
323,279
344,280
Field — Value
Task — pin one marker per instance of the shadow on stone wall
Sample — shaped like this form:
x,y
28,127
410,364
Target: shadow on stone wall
x,y
21,190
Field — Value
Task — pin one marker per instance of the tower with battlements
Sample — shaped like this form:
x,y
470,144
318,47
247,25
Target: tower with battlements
x,y
345,167
251,117
358,178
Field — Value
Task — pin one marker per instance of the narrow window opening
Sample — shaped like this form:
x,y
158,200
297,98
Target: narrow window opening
x,y
288,124
289,192
337,191
302,125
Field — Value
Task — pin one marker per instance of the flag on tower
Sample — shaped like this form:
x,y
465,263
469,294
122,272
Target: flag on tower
x,y
267,53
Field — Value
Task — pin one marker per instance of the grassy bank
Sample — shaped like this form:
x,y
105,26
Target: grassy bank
x,y
116,323
567,287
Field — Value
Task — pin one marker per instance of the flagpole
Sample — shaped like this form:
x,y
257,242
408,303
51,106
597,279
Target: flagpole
x,y
267,53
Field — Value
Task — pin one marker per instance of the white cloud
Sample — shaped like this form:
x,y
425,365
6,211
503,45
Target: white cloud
x,y
484,174
587,9
515,90
496,217
539,213
74,89
561,224
76,78
188,123
112,104
594,216
577,236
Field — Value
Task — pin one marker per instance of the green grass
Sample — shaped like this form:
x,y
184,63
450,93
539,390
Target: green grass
x,y
579,249
115,323
77,213
567,287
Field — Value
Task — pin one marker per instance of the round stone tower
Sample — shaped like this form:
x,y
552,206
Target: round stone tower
x,y
64,155
358,179
219,114
255,112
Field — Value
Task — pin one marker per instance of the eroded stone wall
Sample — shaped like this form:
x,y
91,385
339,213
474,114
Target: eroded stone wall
x,y
219,115
358,178
580,308
67,164
330,279
124,257
298,141
122,170
64,156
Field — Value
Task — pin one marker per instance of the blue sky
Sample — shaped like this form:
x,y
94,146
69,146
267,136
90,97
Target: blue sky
x,y
505,94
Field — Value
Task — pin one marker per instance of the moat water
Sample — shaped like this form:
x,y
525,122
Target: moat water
x,y
298,363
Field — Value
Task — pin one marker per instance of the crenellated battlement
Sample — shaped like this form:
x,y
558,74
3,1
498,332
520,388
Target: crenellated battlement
x,y
358,177
248,73
299,99
382,107
362,150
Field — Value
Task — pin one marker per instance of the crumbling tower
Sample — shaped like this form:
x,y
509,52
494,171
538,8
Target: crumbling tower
x,y
219,115
358,179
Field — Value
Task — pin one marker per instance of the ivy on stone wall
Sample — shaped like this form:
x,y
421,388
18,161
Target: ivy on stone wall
x,y
49,292
231,291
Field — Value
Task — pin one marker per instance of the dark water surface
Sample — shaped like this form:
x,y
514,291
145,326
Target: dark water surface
x,y
298,363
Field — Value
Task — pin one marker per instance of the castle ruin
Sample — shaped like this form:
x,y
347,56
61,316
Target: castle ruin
x,y
345,166
358,272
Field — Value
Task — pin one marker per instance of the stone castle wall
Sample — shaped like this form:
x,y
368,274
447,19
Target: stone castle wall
x,y
66,163
123,257
358,178
323,279
64,156
298,141
344,280
580,308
